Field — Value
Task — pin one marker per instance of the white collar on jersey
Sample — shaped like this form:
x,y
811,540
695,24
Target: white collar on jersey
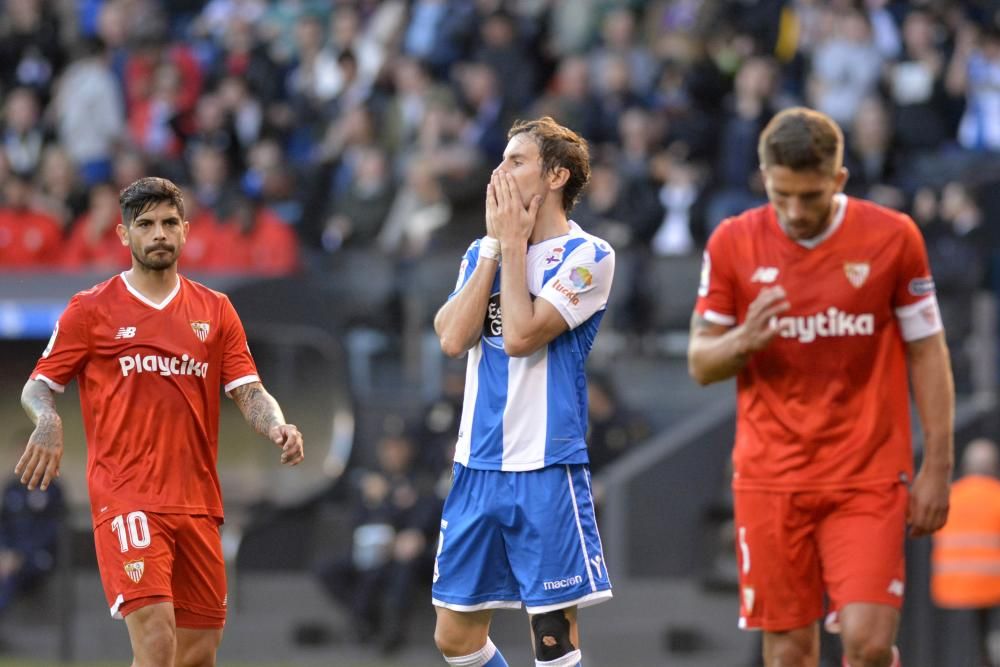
x,y
159,306
840,202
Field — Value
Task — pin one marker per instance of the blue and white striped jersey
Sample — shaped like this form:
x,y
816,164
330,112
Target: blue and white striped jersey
x,y
526,413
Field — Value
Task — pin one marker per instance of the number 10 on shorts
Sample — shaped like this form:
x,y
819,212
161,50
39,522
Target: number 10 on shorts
x,y
131,529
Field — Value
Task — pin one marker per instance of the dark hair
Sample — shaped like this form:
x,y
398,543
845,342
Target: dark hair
x,y
146,193
560,148
802,140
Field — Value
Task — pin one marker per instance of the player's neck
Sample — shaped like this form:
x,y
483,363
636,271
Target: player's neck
x,y
155,285
550,224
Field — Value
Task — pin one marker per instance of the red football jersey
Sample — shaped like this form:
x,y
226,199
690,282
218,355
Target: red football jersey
x,y
826,404
149,378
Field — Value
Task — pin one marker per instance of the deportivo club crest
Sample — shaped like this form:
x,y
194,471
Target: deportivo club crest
x,y
200,330
857,272
134,569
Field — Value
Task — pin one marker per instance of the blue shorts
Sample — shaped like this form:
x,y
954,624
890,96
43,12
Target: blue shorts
x,y
513,537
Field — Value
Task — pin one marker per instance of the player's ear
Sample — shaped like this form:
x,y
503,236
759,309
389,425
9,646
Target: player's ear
x,y
841,178
122,233
558,178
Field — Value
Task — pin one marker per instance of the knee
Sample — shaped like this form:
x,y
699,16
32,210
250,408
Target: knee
x,y
868,653
197,655
453,644
790,651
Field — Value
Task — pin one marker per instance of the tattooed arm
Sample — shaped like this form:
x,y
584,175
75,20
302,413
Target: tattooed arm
x,y
263,414
39,464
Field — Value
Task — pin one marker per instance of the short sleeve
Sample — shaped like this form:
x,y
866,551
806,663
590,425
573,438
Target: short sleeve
x,y
238,367
914,300
716,299
465,269
581,285
68,348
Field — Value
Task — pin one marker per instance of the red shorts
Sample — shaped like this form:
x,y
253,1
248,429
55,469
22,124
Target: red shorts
x,y
145,558
792,547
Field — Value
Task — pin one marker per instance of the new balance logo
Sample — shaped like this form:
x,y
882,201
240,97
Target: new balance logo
x,y
896,588
764,274
125,332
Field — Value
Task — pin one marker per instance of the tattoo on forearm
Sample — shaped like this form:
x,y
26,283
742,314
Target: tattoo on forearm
x,y
38,402
259,408
40,405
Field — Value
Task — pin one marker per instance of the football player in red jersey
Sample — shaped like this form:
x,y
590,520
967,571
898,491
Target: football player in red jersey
x,y
821,305
150,350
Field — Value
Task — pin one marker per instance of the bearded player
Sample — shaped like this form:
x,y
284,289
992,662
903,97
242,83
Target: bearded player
x,y
821,305
150,350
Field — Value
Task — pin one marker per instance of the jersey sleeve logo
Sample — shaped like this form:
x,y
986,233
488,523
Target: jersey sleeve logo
x,y
201,329
857,272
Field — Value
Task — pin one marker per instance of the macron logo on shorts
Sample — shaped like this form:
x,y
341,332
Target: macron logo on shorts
x,y
562,583
165,366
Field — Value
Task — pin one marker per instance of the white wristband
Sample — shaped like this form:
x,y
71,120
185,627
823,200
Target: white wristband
x,y
489,248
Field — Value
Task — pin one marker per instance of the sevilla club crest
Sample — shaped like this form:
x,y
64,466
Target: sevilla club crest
x,y
200,330
857,272
134,569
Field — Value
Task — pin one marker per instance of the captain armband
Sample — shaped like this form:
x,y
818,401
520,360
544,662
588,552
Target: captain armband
x,y
919,320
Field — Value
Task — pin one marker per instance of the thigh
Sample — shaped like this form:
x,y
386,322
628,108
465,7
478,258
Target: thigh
x,y
553,544
781,587
135,556
861,542
471,570
199,582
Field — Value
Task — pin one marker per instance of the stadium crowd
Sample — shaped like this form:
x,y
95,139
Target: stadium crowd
x,y
301,128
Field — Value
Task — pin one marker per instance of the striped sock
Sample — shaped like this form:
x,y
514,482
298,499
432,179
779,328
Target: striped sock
x,y
488,656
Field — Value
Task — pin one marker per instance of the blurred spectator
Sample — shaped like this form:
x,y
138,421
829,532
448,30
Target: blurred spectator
x,y
30,50
94,244
29,239
30,522
682,223
23,136
90,112
738,184
254,240
211,185
869,154
419,209
415,93
510,57
569,99
270,180
59,191
358,213
620,41
974,71
615,97
395,518
623,211
959,253
966,562
916,86
845,66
